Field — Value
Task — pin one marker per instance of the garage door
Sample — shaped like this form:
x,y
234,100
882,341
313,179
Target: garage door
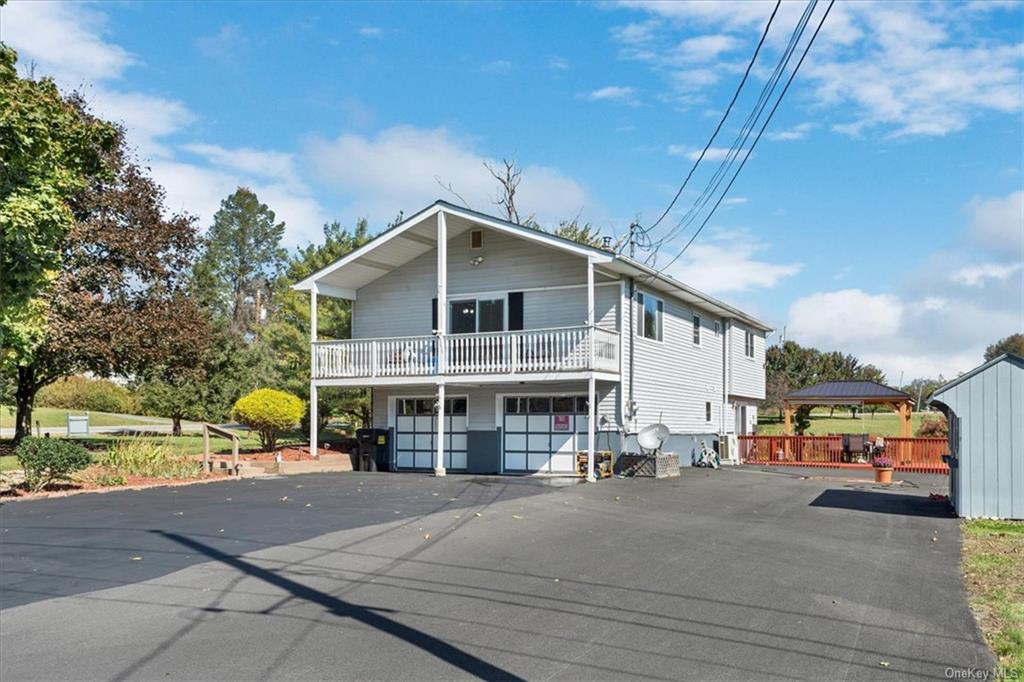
x,y
416,428
543,433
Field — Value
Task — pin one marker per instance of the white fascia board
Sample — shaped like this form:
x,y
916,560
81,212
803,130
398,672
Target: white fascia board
x,y
334,292
380,240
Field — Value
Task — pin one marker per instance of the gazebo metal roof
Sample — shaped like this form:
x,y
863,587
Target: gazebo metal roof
x,y
848,390
852,392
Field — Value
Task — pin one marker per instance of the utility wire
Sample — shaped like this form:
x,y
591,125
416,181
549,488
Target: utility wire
x,y
744,133
721,122
756,139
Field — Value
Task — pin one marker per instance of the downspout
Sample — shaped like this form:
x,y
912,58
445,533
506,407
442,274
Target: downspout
x,y
632,335
726,333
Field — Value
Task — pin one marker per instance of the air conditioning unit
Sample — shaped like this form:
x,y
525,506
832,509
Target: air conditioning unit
x,y
729,448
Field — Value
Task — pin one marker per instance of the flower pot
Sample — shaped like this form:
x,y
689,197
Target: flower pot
x,y
883,474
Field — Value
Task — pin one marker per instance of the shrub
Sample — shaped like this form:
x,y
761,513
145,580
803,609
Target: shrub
x,y
143,457
882,462
48,460
933,427
83,393
269,412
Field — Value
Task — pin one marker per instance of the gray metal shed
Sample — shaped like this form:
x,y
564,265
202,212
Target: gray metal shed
x,y
985,410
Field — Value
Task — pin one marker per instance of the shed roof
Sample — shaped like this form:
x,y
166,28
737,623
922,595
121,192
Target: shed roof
x,y
856,389
1008,357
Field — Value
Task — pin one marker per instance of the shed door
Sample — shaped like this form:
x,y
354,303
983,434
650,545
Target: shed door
x,y
416,433
543,433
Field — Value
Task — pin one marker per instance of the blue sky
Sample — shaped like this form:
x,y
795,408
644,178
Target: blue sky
x,y
881,215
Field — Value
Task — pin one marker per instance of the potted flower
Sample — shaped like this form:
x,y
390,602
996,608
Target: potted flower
x,y
883,469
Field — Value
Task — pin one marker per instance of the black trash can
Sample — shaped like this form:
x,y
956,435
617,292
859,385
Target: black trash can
x,y
374,454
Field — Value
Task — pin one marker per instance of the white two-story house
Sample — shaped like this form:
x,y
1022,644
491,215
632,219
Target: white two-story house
x,y
491,347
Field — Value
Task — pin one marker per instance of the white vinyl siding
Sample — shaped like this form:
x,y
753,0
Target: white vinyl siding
x,y
399,303
746,372
675,378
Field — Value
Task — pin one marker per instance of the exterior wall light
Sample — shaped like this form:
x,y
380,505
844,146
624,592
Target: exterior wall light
x,y
475,261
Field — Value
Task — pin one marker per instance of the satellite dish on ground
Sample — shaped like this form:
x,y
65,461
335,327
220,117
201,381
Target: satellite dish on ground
x,y
651,437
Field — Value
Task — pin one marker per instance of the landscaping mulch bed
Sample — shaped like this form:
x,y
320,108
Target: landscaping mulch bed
x,y
87,486
289,453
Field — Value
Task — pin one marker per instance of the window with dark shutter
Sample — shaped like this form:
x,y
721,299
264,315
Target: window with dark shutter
x,y
515,310
433,314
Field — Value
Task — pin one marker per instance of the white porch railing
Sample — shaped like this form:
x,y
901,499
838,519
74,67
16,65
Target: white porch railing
x,y
536,350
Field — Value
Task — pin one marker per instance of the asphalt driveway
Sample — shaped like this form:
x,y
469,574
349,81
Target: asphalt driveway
x,y
732,574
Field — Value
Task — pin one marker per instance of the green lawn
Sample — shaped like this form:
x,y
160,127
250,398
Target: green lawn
x,y
879,424
52,417
994,576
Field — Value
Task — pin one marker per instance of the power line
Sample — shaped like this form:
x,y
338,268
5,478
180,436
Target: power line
x,y
744,133
756,139
721,122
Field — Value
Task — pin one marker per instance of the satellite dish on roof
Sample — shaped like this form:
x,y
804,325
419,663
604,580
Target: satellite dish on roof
x,y
651,437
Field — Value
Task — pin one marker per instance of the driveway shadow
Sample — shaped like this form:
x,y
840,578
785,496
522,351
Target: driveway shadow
x,y
884,503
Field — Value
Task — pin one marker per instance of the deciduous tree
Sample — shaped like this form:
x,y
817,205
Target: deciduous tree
x,y
117,304
49,149
1013,343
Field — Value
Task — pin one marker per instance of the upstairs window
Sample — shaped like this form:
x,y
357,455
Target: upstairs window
x,y
649,317
696,330
707,412
476,239
748,345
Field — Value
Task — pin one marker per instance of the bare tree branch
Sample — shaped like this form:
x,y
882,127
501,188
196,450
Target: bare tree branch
x,y
508,179
448,188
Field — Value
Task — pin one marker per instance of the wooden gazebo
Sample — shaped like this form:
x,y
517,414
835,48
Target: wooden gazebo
x,y
850,393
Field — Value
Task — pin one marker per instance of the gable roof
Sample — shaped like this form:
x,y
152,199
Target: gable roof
x,y
856,389
1005,357
416,235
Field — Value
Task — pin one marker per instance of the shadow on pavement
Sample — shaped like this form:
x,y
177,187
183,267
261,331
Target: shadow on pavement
x,y
884,503
343,609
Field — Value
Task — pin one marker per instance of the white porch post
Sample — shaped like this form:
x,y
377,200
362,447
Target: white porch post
x,y
313,418
442,292
439,452
591,418
591,387
442,329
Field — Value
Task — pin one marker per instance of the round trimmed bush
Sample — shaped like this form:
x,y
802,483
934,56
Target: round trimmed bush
x,y
48,460
269,412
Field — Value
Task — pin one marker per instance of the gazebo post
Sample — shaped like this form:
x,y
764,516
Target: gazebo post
x,y
787,412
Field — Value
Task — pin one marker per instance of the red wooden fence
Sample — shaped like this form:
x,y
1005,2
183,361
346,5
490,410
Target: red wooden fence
x,y
921,455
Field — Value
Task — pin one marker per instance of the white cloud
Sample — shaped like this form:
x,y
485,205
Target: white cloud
x,y
610,92
826,319
712,154
998,223
66,41
399,169
224,44
370,31
797,132
498,66
975,275
945,314
726,262
904,68
558,64
706,48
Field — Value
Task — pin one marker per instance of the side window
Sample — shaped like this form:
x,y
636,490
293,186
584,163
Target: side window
x,y
707,412
696,330
649,317
748,346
